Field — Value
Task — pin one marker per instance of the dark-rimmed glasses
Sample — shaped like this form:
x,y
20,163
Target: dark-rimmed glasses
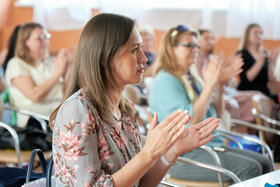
x,y
188,45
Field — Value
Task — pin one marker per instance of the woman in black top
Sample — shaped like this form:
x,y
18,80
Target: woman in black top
x,y
256,70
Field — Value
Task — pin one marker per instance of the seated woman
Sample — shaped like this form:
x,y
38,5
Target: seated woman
x,y
175,88
257,70
33,78
96,141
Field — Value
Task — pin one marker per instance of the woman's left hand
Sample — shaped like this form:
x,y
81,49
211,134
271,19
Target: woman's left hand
x,y
194,136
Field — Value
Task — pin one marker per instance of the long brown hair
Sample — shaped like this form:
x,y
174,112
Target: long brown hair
x,y
101,38
24,33
166,59
244,42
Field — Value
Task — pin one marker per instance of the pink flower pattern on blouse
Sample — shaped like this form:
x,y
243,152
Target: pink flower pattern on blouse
x,y
87,150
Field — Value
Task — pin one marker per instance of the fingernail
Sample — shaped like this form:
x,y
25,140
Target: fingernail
x,y
180,110
186,112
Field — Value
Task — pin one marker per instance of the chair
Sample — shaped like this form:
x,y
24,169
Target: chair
x,y
17,156
265,110
230,136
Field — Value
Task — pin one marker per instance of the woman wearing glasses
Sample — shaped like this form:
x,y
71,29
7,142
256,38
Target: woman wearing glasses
x,y
33,78
175,88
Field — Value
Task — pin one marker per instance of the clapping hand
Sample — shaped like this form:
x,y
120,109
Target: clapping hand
x,y
162,136
231,68
193,137
212,71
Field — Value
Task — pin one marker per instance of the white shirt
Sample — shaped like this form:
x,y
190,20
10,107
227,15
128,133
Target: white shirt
x,y
40,73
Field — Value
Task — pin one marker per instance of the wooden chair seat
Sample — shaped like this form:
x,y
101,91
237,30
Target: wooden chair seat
x,y
9,156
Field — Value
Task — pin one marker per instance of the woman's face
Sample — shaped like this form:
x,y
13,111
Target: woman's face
x,y
186,51
255,35
127,64
38,42
206,42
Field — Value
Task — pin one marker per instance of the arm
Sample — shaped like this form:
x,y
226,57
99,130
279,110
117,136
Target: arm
x,y
194,136
32,91
252,73
271,67
219,103
231,68
2,84
211,75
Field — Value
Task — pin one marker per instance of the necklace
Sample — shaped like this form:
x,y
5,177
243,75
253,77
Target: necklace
x,y
117,120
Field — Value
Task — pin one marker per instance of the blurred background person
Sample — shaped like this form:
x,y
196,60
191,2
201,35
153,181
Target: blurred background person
x,y
35,80
230,70
257,70
176,88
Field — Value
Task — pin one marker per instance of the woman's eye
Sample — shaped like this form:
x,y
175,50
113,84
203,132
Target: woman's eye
x,y
135,50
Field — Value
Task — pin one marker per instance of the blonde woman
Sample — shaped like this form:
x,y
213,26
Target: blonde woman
x,y
175,88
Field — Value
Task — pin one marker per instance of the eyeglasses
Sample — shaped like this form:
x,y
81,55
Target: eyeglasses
x,y
189,45
45,36
179,29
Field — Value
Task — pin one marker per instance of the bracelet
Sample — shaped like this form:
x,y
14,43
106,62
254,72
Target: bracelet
x,y
165,162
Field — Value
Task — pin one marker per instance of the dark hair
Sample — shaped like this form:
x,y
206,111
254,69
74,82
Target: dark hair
x,y
100,40
11,46
202,31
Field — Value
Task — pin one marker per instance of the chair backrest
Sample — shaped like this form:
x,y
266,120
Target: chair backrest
x,y
266,106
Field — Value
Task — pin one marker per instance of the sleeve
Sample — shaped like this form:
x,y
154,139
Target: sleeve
x,y
167,95
16,68
75,147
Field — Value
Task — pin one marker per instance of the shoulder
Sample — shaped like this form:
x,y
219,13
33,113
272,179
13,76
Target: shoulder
x,y
76,106
16,61
16,67
166,80
166,77
243,52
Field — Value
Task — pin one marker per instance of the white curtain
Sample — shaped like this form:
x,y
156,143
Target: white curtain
x,y
224,17
61,14
264,12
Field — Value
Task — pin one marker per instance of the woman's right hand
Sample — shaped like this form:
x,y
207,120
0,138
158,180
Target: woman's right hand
x,y
212,72
162,136
60,62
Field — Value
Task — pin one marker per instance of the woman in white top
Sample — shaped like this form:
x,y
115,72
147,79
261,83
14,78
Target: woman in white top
x,y
34,79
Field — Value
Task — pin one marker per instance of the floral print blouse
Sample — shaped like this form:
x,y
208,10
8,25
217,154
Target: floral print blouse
x,y
87,150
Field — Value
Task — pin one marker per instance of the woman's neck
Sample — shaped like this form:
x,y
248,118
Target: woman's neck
x,y
204,53
36,57
115,100
253,48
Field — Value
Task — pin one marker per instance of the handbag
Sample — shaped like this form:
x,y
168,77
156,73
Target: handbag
x,y
46,180
12,176
29,138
